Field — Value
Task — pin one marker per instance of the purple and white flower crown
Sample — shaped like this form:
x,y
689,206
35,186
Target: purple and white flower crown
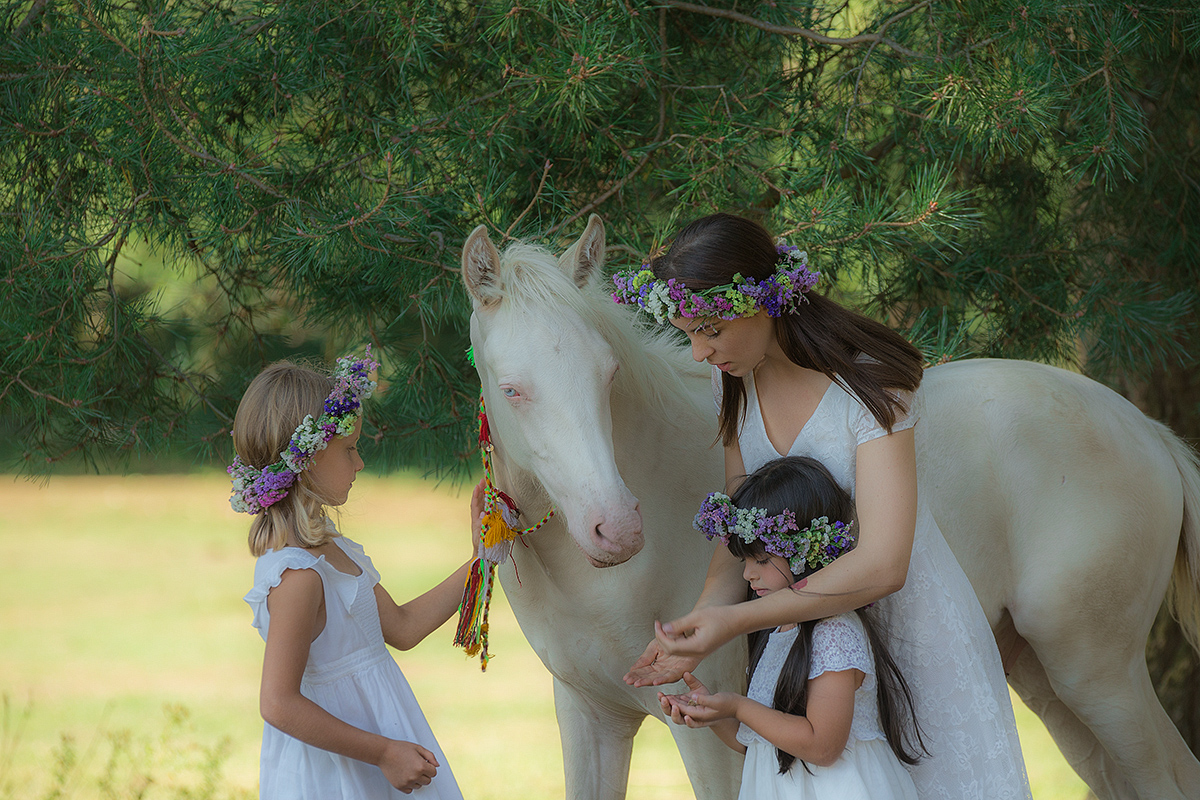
x,y
777,295
805,549
255,489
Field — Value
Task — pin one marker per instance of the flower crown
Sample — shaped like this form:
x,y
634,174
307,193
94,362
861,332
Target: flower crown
x,y
778,294
805,549
255,489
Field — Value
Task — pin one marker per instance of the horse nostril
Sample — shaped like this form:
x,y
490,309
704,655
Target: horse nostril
x,y
600,535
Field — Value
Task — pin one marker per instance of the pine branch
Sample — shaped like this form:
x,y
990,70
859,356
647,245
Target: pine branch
x,y
805,33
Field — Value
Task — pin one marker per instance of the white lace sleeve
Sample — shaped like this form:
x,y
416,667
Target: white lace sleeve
x,y
838,644
866,427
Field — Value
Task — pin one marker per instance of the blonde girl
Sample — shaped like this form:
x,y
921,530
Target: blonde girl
x,y
340,718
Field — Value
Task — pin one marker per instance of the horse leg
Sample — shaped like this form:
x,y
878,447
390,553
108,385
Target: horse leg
x,y
714,770
1097,700
1079,746
597,742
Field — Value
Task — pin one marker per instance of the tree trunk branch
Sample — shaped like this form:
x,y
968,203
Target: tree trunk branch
x,y
804,33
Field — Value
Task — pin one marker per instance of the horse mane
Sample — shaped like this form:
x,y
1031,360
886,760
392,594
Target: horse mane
x,y
655,366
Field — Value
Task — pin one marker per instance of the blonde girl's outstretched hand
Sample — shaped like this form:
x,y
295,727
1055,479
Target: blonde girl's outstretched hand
x,y
477,517
408,765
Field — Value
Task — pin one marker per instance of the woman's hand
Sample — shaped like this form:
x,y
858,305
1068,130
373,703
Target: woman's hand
x,y
408,766
698,633
655,667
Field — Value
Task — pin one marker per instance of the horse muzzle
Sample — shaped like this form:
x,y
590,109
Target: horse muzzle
x,y
612,538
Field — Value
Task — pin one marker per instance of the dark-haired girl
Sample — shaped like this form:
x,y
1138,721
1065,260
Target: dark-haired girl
x,y
795,373
825,692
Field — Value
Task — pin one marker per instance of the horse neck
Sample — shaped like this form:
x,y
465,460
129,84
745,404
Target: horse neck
x,y
665,394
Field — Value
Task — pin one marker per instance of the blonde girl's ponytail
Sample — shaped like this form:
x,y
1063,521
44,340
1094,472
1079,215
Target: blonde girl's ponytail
x,y
301,511
274,404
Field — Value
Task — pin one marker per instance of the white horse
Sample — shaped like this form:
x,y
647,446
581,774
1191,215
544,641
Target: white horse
x,y
1070,511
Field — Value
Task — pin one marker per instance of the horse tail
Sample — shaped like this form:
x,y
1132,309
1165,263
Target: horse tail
x,y
1183,593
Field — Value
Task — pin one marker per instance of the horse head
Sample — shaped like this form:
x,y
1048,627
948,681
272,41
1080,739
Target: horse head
x,y
547,372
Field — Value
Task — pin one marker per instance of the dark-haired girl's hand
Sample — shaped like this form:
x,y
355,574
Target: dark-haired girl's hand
x,y
699,707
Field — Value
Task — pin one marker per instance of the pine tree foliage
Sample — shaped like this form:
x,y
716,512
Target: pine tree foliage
x,y
192,189
312,168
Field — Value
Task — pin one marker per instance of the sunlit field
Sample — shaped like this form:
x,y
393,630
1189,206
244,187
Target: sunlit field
x,y
129,668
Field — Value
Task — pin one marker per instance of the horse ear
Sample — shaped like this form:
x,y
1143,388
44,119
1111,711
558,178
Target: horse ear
x,y
480,265
585,258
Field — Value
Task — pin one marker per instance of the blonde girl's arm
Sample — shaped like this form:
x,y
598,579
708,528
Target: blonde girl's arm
x,y
295,608
886,478
819,737
406,626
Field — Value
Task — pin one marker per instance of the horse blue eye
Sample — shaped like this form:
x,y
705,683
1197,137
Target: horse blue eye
x,y
508,391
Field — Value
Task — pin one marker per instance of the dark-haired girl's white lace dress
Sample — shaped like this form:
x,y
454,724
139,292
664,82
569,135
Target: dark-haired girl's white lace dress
x,y
352,675
940,637
867,769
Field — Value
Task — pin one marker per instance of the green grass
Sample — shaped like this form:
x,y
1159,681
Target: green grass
x,y
130,669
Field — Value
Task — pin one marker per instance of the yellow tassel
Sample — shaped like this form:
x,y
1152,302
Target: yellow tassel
x,y
495,529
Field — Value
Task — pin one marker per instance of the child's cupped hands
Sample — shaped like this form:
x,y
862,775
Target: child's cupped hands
x,y
698,707
407,765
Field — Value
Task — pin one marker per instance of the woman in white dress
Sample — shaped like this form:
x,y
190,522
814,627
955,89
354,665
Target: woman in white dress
x,y
801,375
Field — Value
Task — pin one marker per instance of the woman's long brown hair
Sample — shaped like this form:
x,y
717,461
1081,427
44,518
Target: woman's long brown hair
x,y
862,355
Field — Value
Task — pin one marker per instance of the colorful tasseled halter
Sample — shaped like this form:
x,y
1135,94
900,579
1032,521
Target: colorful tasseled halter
x,y
498,529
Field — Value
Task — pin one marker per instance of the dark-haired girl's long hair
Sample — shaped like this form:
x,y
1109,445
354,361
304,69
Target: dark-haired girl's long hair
x,y
806,487
897,715
862,355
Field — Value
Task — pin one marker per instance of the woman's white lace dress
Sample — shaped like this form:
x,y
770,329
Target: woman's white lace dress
x,y
867,768
352,675
940,636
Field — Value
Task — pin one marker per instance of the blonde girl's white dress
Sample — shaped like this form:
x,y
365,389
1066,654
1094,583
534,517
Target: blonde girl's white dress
x,y
352,675
867,768
939,635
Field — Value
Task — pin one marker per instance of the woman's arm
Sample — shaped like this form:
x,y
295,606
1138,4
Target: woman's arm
x,y
295,607
886,480
406,626
723,586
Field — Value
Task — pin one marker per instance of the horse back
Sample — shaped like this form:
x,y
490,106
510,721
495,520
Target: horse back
x,y
1038,476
